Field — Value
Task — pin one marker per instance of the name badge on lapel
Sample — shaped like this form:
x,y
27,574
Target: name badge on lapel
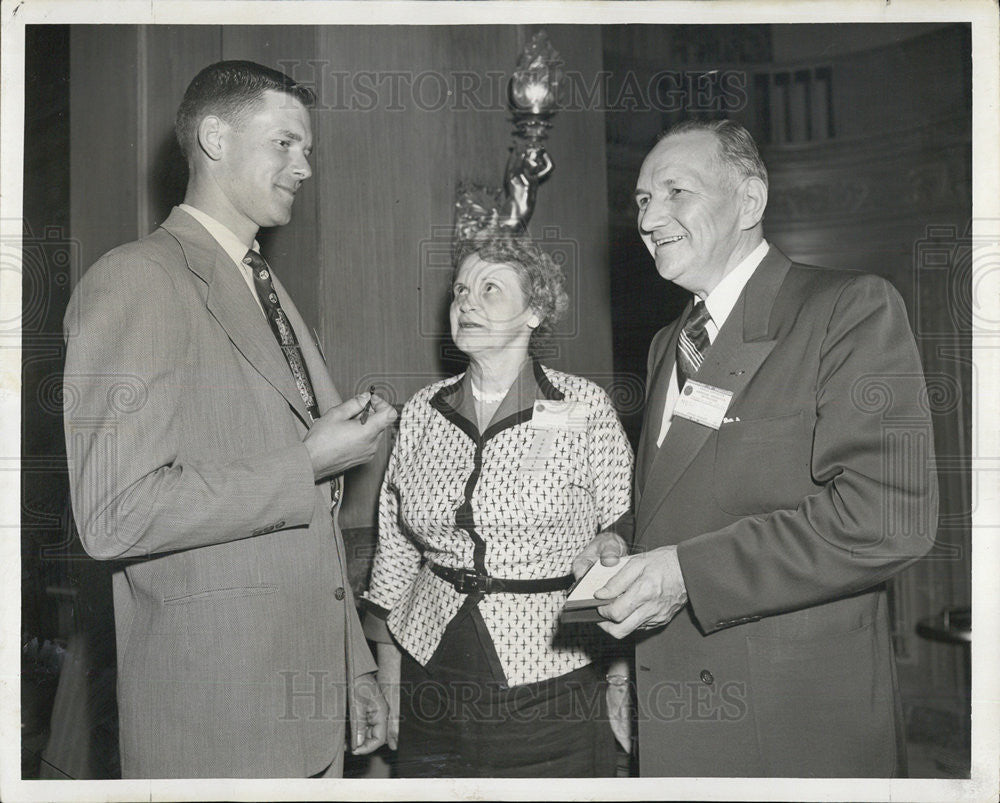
x,y
703,404
559,415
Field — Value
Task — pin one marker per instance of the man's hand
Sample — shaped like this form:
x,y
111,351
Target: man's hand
x,y
369,713
607,547
389,662
338,440
648,592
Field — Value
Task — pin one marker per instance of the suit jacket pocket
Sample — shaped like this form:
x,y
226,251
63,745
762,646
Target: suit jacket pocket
x,y
823,706
221,594
762,464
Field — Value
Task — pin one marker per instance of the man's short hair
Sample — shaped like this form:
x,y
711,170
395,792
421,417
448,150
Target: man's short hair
x,y
230,90
737,149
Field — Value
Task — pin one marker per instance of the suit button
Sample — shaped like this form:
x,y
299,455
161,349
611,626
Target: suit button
x,y
706,677
339,593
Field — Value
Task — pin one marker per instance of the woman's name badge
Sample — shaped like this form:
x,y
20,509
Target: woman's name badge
x,y
538,454
703,404
559,415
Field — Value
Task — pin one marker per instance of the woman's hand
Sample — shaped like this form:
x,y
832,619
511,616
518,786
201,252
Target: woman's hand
x,y
606,547
389,661
619,703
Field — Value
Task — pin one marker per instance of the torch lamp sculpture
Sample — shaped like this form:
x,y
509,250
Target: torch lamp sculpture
x,y
533,93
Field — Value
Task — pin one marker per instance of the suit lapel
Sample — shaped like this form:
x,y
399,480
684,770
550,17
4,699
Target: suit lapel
x,y
743,343
230,302
656,399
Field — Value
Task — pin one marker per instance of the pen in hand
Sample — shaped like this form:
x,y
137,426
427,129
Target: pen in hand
x,y
369,406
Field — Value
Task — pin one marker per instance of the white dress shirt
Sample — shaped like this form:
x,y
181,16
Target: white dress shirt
x,y
720,303
229,243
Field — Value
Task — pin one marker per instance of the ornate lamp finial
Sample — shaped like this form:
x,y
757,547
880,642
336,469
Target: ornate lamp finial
x,y
533,92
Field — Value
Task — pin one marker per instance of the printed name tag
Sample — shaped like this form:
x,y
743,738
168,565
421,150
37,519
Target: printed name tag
x,y
559,415
703,404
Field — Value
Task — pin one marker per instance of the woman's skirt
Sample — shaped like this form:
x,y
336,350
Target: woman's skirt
x,y
458,719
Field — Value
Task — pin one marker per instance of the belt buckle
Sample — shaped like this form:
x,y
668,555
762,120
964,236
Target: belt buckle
x,y
466,581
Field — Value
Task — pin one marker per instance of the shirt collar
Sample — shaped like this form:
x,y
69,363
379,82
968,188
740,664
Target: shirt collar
x,y
723,298
455,401
222,234
521,395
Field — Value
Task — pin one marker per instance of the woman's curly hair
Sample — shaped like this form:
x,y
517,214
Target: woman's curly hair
x,y
542,280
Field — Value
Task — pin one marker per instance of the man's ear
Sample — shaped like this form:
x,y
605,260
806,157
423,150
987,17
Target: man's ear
x,y
752,202
210,131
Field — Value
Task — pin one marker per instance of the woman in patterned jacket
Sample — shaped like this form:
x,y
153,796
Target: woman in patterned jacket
x,y
498,479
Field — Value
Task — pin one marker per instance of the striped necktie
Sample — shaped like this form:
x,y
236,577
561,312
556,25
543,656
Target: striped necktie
x,y
285,336
282,329
692,343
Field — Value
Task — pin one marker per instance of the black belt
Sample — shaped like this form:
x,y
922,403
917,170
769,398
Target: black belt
x,y
467,581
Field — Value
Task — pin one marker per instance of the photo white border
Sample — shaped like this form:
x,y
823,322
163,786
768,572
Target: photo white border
x,y
985,781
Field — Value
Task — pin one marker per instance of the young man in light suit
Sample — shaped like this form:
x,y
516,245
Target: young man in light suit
x,y
785,472
205,441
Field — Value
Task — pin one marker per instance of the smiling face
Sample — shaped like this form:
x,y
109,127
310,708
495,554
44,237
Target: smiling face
x,y
262,162
489,310
695,217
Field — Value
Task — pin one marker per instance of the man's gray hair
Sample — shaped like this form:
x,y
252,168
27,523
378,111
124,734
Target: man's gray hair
x,y
737,148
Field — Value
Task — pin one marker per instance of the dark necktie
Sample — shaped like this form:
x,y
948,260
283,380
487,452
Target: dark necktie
x,y
282,329
692,343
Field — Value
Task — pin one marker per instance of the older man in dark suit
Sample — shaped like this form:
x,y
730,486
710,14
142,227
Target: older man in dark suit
x,y
205,441
785,472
